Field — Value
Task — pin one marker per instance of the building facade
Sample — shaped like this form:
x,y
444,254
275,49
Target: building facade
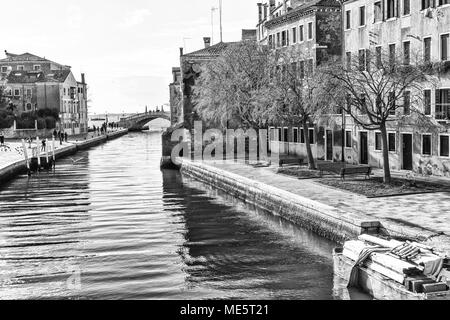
x,y
32,83
175,96
311,30
416,29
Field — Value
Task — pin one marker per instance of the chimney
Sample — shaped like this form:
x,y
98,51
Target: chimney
x,y
260,12
181,51
207,41
284,6
83,81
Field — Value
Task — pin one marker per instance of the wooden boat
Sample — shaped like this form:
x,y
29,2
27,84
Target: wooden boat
x,y
385,276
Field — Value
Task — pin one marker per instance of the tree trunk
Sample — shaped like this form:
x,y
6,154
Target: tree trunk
x,y
311,161
386,167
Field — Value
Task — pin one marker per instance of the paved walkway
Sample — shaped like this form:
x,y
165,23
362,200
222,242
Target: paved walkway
x,y
430,212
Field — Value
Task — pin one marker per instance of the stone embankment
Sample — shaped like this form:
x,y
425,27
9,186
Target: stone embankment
x,y
15,165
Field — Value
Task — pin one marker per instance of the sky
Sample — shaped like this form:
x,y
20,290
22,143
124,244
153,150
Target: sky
x,y
126,48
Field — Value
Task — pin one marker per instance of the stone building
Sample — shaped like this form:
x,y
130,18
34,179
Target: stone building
x,y
412,28
32,83
311,30
175,96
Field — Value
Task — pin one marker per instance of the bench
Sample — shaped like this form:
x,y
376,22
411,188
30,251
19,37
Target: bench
x,y
297,161
367,171
328,166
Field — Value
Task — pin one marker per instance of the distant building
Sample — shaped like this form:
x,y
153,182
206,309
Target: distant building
x,y
32,83
175,96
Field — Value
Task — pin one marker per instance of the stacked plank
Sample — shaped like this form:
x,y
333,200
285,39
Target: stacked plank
x,y
397,261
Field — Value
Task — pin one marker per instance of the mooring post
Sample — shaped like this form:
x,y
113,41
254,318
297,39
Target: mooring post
x,y
25,154
46,156
53,149
38,152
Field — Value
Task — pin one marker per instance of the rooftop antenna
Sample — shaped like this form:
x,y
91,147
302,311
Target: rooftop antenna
x,y
212,24
220,10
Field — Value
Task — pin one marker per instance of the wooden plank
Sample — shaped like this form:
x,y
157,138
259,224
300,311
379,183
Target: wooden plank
x,y
393,263
381,242
397,277
434,287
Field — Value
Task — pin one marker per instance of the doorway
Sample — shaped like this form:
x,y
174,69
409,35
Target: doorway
x,y
329,145
364,148
407,142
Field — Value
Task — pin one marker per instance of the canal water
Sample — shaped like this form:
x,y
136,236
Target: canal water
x,y
109,224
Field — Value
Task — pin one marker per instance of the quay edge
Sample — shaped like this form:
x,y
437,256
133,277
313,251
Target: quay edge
x,y
19,167
329,222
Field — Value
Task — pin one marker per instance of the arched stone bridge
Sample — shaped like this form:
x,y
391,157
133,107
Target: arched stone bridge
x,y
137,121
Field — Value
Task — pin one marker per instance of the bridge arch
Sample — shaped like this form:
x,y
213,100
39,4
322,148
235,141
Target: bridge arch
x,y
138,121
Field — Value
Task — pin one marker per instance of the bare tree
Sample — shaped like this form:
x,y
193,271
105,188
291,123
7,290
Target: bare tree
x,y
296,90
230,88
376,88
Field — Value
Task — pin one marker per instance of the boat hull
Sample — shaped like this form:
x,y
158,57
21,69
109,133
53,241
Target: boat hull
x,y
377,285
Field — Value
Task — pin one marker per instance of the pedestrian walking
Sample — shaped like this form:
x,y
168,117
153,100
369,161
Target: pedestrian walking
x,y
2,139
43,145
30,140
55,134
65,136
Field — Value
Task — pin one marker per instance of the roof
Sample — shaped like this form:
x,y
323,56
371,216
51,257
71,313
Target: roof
x,y
38,76
212,51
303,9
25,57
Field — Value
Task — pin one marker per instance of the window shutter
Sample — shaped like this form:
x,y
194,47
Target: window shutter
x,y
397,7
383,8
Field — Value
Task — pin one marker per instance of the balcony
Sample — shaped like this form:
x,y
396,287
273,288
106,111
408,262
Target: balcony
x,y
443,112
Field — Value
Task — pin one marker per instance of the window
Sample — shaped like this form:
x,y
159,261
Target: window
x,y
5,69
347,19
310,31
278,40
312,140
444,47
270,41
16,92
295,134
444,146
379,57
294,35
427,102
29,93
28,107
391,103
406,53
427,4
442,2
20,68
302,69
280,138
426,144
378,142
378,13
300,36
407,103
37,67
392,54
406,7
348,139
362,59
285,135
302,136
443,104
283,39
427,49
362,16
390,9
392,142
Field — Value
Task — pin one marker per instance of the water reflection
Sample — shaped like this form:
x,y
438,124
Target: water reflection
x,y
113,226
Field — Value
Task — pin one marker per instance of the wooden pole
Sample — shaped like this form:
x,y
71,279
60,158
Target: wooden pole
x,y
53,149
25,153
38,152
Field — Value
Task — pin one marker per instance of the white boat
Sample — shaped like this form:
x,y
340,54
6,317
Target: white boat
x,y
386,276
